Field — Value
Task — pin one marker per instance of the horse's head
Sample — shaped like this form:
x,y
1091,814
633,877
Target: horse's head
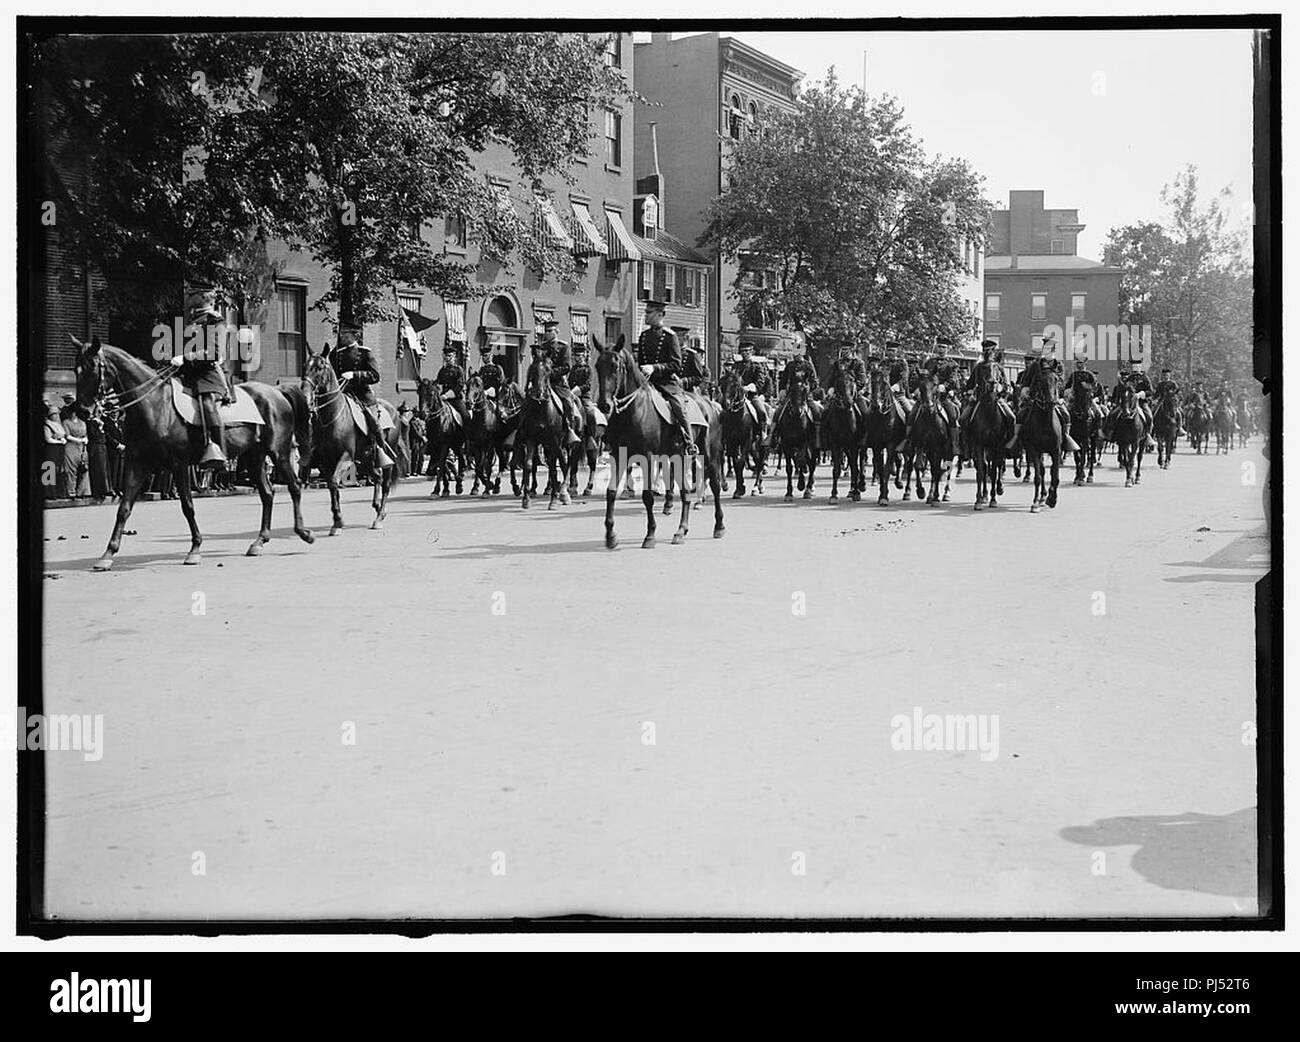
x,y
318,377
92,371
611,365
538,381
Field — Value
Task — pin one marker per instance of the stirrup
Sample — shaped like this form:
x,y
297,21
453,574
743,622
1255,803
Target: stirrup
x,y
212,456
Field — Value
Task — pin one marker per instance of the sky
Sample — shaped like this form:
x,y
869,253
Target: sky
x,y
1100,121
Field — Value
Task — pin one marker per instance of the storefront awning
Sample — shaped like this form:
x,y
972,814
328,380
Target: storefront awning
x,y
621,246
590,243
552,227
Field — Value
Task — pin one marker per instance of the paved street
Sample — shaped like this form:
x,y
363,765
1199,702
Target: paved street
x,y
545,727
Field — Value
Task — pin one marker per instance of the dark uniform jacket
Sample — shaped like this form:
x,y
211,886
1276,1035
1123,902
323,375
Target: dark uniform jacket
x,y
580,380
755,372
798,370
986,370
900,374
357,358
695,368
451,377
1136,379
845,367
1166,386
491,375
942,368
1081,378
660,348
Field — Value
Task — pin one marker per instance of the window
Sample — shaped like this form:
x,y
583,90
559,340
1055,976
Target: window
x,y
453,233
753,119
1058,246
1036,341
408,367
540,315
613,329
455,322
1038,306
691,287
670,284
993,307
1078,304
659,288
614,50
578,323
646,290
613,138
735,118
293,319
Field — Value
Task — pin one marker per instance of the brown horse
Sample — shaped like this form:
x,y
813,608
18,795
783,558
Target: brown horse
x,y
884,430
157,438
986,434
930,442
797,440
542,427
1041,436
1165,428
740,441
1129,436
336,440
492,420
636,430
843,426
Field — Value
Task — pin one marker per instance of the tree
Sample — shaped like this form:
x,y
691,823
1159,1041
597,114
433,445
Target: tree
x,y
1189,279
860,226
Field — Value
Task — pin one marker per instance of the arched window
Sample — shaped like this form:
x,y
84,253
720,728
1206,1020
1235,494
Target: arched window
x,y
753,119
735,118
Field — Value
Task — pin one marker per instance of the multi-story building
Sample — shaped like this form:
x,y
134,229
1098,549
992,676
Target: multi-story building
x,y
708,88
1034,280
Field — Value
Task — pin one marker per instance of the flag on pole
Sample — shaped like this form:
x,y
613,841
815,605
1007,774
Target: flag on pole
x,y
410,324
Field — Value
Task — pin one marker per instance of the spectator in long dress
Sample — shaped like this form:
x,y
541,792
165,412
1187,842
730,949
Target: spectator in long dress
x,y
76,464
56,440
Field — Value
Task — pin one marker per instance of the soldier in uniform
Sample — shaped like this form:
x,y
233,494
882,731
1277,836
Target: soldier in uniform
x,y
695,368
490,373
944,370
757,382
798,372
1141,384
1168,386
659,355
557,352
201,373
987,370
1034,360
580,374
451,378
358,369
848,365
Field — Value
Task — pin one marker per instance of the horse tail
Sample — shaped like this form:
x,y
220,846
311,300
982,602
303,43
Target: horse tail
x,y
301,421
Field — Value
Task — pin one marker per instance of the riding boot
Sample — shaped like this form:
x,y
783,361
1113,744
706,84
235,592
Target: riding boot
x,y
954,439
379,453
1015,438
1068,444
214,455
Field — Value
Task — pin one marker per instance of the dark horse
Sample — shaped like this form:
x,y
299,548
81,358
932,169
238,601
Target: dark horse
x,y
843,428
444,439
1164,423
492,419
796,437
884,430
930,441
986,434
636,430
1225,425
740,441
156,438
592,434
335,438
1085,426
542,426
1198,421
1040,435
1129,435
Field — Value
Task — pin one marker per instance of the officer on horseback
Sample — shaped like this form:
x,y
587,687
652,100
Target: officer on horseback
x,y
451,378
1141,384
1167,386
848,365
799,372
580,374
757,383
561,361
358,369
202,374
943,370
987,371
659,354
1036,361
490,374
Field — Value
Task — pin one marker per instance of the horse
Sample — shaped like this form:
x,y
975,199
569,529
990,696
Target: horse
x,y
635,428
157,438
1041,435
1164,427
986,434
1129,435
1198,419
930,440
444,439
740,441
491,421
592,434
542,427
1225,426
1086,428
796,438
883,430
1246,420
842,430
336,440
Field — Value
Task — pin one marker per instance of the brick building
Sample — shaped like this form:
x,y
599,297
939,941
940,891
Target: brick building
x,y
706,88
1035,279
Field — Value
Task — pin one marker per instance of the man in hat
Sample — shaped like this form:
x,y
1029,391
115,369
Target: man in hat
x,y
1036,360
202,374
1131,376
1168,386
799,372
580,373
944,372
561,360
847,367
451,381
695,367
987,371
757,383
659,354
358,368
490,373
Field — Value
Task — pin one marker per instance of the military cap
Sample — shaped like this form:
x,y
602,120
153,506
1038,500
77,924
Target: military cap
x,y
655,305
988,343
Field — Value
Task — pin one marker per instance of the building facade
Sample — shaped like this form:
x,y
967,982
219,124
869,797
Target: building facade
x,y
708,89
1035,281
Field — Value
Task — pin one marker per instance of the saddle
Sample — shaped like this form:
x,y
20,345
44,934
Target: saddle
x,y
694,414
242,410
359,416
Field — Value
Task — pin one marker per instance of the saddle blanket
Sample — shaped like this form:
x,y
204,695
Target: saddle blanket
x,y
242,410
694,414
359,416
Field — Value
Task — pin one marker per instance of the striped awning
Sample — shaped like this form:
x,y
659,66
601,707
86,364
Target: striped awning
x,y
590,242
552,227
621,246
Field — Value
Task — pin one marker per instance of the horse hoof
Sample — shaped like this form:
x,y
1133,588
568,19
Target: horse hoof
x,y
993,504
376,525
1128,484
611,542
754,491
883,501
102,565
253,551
1089,481
564,499
719,532
1034,509
678,539
194,557
946,496
789,497
648,543
306,535
550,505
979,505
833,499
524,505
738,494
807,493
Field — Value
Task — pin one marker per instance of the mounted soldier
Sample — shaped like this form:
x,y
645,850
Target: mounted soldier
x,y
451,380
491,376
1036,360
848,366
580,374
358,369
1141,384
202,374
561,361
987,371
799,372
757,383
659,354
1168,387
944,371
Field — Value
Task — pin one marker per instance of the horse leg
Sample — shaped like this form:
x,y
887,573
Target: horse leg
x,y
526,454
290,479
133,479
812,454
336,510
648,501
182,476
1056,479
789,479
713,471
837,461
688,493
737,470
266,491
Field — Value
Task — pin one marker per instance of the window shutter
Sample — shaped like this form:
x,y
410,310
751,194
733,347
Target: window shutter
x,y
680,293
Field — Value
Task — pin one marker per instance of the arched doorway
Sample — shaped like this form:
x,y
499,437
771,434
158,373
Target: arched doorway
x,y
502,332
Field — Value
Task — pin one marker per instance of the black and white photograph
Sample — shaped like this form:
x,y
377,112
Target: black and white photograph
x,y
725,474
